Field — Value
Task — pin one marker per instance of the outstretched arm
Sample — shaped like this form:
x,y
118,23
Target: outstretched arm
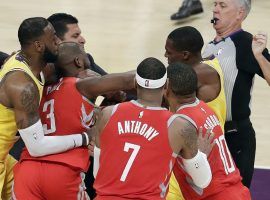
x,y
258,46
94,86
23,97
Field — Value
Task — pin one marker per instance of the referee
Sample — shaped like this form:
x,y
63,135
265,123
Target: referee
x,y
241,56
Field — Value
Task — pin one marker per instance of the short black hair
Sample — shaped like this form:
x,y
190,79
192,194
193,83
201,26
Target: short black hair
x,y
31,29
187,38
182,79
60,22
151,68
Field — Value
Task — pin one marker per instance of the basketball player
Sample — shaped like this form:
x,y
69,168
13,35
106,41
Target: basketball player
x,y
184,45
139,141
21,85
226,182
65,109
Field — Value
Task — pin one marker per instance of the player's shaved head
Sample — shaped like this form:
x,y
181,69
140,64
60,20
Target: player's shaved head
x,y
71,59
68,51
182,79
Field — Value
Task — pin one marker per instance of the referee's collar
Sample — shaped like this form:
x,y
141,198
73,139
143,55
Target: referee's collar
x,y
224,38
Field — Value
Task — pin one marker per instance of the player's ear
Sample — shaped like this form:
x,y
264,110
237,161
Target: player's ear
x,y
78,62
186,55
39,45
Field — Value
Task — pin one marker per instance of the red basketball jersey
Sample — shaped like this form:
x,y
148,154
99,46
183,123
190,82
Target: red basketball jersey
x,y
224,171
63,111
136,158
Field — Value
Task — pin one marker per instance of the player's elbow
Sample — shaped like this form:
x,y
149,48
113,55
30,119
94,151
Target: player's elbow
x,y
199,169
205,180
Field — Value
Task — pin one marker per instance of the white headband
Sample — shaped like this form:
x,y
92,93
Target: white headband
x,y
149,83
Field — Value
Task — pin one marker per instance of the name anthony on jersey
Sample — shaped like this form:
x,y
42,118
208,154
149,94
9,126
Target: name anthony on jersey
x,y
137,127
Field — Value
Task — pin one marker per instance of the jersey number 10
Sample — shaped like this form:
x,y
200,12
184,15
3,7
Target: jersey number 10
x,y
225,155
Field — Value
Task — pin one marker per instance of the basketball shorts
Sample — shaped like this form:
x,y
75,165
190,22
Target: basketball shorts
x,y
41,180
6,177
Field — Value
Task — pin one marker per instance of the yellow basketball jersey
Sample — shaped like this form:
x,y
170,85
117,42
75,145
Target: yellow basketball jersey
x,y
219,103
8,128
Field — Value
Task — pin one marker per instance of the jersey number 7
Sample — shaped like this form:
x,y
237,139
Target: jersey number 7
x,y
136,149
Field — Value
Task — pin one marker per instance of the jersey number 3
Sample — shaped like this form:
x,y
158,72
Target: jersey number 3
x,y
136,149
49,106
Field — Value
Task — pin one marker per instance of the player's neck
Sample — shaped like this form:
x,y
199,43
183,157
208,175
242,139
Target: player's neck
x,y
35,63
184,101
149,102
196,59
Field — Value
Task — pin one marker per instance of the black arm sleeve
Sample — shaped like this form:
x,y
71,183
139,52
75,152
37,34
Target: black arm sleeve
x,y
95,67
244,55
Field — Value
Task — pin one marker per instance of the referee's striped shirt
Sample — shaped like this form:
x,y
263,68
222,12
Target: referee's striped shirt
x,y
239,67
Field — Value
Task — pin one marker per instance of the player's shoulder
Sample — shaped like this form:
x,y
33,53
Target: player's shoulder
x,y
204,68
18,79
205,72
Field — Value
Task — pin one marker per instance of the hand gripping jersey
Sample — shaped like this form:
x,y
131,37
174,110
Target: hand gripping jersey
x,y
136,158
224,171
63,111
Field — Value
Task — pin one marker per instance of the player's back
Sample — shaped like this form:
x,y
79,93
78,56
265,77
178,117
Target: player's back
x,y
221,162
64,111
136,158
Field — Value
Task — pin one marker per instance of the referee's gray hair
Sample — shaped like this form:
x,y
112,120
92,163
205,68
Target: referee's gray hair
x,y
246,4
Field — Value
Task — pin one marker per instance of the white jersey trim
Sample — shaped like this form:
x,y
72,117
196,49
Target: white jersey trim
x,y
147,107
173,117
195,103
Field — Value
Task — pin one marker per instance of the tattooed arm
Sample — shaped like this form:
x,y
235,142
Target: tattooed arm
x,y
183,139
22,96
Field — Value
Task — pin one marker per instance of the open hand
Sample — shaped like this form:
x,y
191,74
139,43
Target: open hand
x,y
206,143
259,43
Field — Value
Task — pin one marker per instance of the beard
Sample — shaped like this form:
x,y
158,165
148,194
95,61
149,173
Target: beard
x,y
49,56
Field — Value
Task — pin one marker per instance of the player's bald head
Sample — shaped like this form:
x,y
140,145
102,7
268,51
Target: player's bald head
x,y
71,59
68,51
